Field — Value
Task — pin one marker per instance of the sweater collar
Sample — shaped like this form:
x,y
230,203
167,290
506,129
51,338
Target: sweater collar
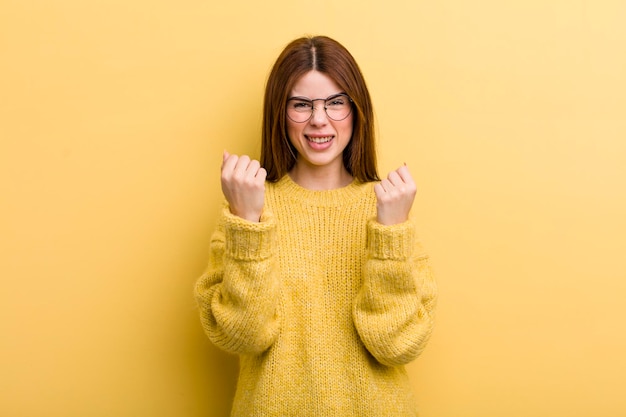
x,y
326,198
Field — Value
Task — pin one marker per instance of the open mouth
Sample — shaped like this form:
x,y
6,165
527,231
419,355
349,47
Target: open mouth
x,y
319,140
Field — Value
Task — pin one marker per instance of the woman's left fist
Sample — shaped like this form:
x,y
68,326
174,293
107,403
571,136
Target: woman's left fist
x,y
394,197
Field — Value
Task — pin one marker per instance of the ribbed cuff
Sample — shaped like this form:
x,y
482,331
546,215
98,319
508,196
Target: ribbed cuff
x,y
246,240
390,242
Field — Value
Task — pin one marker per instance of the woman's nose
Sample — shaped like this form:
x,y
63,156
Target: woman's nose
x,y
319,115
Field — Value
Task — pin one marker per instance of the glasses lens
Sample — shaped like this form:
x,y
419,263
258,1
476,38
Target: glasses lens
x,y
299,110
338,107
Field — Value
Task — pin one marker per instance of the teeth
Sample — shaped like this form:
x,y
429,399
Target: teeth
x,y
320,140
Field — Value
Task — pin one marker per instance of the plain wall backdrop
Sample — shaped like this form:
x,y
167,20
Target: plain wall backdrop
x,y
113,118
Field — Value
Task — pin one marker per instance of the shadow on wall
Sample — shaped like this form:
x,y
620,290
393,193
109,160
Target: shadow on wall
x,y
222,369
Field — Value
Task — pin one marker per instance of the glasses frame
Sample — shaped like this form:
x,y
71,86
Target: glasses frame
x,y
313,100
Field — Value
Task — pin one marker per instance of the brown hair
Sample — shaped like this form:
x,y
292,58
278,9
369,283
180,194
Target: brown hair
x,y
327,56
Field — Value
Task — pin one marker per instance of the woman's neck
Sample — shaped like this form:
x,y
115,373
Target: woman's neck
x,y
320,178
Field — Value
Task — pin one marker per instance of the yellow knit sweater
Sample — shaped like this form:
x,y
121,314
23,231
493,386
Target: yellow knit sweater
x,y
322,304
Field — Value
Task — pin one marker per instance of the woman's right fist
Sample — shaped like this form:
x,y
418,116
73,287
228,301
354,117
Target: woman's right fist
x,y
243,185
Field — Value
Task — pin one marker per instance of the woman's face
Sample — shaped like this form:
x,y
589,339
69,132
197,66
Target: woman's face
x,y
320,141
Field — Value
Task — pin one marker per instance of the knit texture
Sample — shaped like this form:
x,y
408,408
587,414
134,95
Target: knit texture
x,y
322,304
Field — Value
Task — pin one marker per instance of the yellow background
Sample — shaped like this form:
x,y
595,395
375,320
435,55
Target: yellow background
x,y
113,117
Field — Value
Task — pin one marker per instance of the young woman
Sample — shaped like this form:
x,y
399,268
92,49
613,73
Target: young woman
x,y
316,278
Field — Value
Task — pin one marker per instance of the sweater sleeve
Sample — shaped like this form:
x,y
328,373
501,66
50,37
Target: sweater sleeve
x,y
393,311
238,293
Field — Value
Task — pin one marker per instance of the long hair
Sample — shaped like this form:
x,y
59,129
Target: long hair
x,y
329,57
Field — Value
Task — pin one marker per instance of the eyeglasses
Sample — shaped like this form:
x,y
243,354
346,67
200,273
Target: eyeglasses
x,y
337,107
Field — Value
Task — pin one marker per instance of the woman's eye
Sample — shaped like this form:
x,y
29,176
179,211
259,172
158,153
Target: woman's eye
x,y
335,102
302,105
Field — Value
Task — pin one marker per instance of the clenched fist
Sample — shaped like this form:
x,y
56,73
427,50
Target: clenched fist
x,y
394,197
243,185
